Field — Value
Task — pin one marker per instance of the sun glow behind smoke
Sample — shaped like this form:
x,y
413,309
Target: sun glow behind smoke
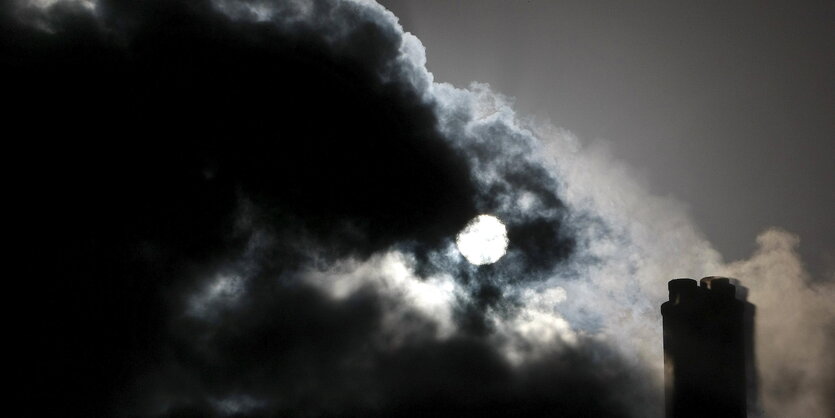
x,y
483,240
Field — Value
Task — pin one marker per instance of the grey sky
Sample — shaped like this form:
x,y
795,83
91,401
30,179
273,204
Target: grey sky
x,y
727,106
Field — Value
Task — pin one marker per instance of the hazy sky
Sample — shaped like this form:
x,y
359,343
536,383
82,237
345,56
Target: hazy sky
x,y
726,106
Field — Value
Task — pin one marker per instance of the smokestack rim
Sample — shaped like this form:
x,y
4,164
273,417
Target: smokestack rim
x,y
681,288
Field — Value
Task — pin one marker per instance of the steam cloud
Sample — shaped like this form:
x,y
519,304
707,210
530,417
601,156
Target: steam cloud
x,y
285,228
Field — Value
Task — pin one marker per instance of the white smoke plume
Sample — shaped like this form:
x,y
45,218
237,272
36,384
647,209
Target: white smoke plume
x,y
632,243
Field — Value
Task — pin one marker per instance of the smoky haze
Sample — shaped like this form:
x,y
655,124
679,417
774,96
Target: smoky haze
x,y
252,209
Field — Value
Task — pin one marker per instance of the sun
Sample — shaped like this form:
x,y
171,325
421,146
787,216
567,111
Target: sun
x,y
483,240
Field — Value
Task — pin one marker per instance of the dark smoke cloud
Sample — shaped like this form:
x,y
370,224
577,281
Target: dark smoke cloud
x,y
199,172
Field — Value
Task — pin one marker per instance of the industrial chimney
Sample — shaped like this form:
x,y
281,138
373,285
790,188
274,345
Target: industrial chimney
x,y
704,350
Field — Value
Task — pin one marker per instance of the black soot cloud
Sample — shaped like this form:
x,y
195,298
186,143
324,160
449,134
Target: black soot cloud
x,y
179,150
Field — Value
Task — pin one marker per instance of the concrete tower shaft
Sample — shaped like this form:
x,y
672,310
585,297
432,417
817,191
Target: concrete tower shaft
x,y
704,350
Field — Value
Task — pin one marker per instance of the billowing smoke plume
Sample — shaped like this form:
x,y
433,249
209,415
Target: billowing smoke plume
x,y
259,202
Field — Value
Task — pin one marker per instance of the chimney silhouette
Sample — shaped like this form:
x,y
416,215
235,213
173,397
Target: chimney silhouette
x,y
704,350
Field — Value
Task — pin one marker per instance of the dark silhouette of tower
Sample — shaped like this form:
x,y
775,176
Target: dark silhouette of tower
x,y
705,350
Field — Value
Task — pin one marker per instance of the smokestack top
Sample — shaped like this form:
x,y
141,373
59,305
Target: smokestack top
x,y
713,282
681,289
718,285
